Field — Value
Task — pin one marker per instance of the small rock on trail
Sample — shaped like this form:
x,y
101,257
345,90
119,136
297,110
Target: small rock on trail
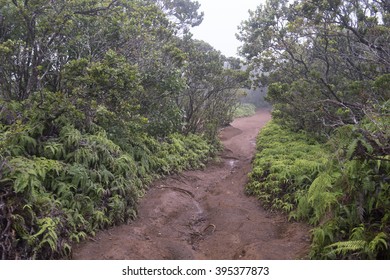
x,y
205,214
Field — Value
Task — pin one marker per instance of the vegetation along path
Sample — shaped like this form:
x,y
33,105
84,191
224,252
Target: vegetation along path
x,y
205,214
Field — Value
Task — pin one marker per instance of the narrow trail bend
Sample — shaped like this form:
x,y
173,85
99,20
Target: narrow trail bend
x,y
205,214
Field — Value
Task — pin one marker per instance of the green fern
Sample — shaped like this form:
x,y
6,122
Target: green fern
x,y
321,196
54,150
65,187
379,242
70,137
285,164
346,247
46,236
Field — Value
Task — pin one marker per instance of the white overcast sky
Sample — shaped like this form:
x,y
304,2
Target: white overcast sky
x,y
220,23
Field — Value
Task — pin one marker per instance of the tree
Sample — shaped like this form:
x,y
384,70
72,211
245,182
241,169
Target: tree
x,y
210,94
184,13
322,59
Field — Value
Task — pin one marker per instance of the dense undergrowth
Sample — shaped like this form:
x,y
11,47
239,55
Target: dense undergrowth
x,y
244,110
286,164
60,184
345,197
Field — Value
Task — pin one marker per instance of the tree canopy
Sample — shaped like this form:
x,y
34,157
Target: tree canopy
x,y
326,62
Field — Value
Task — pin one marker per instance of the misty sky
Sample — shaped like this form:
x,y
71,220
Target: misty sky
x,y
220,23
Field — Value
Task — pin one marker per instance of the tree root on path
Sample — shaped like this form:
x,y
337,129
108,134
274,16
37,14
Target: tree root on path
x,y
178,190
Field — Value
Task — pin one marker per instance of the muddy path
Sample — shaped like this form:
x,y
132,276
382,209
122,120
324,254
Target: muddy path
x,y
205,214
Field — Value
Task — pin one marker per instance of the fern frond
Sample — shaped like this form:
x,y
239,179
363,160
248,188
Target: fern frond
x,y
345,247
380,241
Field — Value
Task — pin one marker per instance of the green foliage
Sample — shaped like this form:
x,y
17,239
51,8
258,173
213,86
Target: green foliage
x,y
305,52
342,189
244,110
211,95
77,183
183,152
357,246
285,165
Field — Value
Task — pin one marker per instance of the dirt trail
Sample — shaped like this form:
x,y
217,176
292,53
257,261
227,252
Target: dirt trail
x,y
205,214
